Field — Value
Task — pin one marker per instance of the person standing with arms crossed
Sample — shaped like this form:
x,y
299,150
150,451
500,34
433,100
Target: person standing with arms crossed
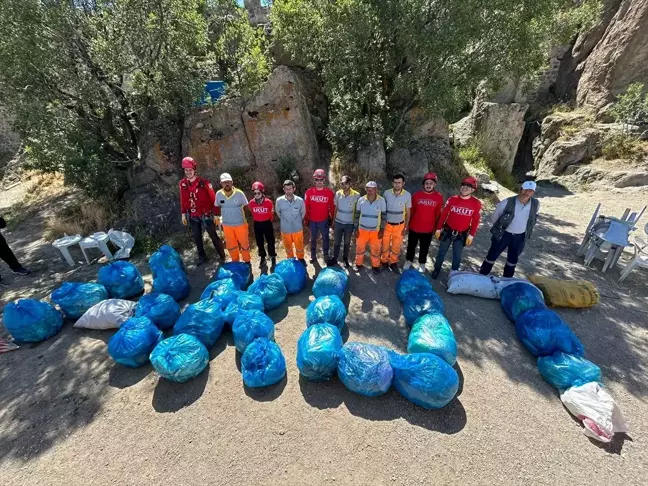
x,y
197,199
291,211
370,219
319,213
426,209
458,224
399,204
262,211
513,222
229,204
345,205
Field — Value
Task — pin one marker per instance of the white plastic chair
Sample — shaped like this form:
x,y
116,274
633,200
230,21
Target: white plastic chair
x,y
63,244
97,240
640,258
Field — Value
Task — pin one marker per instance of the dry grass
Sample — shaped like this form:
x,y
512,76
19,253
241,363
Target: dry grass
x,y
625,147
84,218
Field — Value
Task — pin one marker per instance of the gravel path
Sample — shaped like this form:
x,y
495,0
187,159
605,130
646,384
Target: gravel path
x,y
68,416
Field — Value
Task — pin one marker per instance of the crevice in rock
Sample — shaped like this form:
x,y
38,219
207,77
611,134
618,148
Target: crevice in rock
x,y
524,161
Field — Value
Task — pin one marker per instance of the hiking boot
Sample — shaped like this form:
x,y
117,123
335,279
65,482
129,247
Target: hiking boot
x,y
346,263
394,268
22,271
376,270
435,274
421,268
385,265
331,262
262,262
357,267
407,265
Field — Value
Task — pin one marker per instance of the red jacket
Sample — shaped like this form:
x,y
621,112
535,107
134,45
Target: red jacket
x,y
426,208
261,212
461,214
320,204
197,197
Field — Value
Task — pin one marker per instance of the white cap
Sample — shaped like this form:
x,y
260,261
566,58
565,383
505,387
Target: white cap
x,y
225,177
371,184
529,185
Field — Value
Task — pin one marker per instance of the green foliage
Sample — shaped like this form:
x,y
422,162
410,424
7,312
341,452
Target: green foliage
x,y
473,158
580,17
379,58
624,146
631,107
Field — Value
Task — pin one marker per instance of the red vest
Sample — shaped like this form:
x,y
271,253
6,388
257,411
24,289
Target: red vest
x,y
197,197
261,212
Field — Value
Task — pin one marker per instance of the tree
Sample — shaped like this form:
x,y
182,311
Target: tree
x,y
88,79
380,58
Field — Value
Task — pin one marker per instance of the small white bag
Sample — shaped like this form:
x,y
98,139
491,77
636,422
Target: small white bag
x,y
122,240
600,414
107,314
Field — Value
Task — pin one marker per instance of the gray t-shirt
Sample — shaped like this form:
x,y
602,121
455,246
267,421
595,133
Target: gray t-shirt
x,y
231,207
345,206
291,214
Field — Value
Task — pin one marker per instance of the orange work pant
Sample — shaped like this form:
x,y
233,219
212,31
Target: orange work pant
x,y
392,242
371,237
297,239
236,237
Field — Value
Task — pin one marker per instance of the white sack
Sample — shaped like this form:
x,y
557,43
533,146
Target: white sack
x,y
122,240
107,314
474,284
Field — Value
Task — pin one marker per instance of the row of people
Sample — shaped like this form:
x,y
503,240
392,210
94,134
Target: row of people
x,y
379,222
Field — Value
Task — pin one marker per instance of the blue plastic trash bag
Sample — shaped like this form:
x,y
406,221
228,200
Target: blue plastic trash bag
x,y
411,282
271,289
133,342
244,301
239,271
204,319
365,369
424,379
31,321
432,333
225,290
161,309
74,298
330,281
250,325
318,351
262,364
326,309
180,358
543,332
169,276
293,273
423,301
564,370
520,297
121,279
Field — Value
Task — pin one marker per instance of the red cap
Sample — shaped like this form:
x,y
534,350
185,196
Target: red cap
x,y
188,163
258,186
471,181
319,174
430,176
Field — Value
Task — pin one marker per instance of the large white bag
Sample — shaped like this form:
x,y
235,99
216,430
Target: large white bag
x,y
122,240
598,411
107,314
474,284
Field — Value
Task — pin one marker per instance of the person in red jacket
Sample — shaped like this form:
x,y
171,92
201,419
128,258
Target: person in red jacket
x,y
320,208
458,224
426,208
197,198
262,211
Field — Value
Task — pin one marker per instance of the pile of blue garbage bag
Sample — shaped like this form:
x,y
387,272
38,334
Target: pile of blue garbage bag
x,y
121,279
74,298
169,275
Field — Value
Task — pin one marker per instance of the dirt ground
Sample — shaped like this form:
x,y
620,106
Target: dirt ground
x,y
69,416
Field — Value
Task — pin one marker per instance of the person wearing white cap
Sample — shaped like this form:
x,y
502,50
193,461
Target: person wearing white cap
x,y
369,221
513,222
229,204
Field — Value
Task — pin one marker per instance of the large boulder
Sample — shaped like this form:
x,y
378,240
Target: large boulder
x,y
419,156
278,123
154,208
562,153
371,156
604,178
619,58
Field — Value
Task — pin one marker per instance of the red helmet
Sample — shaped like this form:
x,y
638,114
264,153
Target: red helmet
x,y
470,181
319,174
430,176
258,186
188,163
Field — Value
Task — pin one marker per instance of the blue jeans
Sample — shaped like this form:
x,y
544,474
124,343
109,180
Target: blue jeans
x,y
315,228
457,249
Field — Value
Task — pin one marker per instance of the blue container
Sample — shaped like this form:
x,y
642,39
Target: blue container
x,y
250,325
520,297
121,279
564,370
543,332
215,89
326,309
161,309
365,369
293,273
271,289
262,364
204,319
424,379
180,358
74,298
31,321
318,352
432,334
132,344
330,281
